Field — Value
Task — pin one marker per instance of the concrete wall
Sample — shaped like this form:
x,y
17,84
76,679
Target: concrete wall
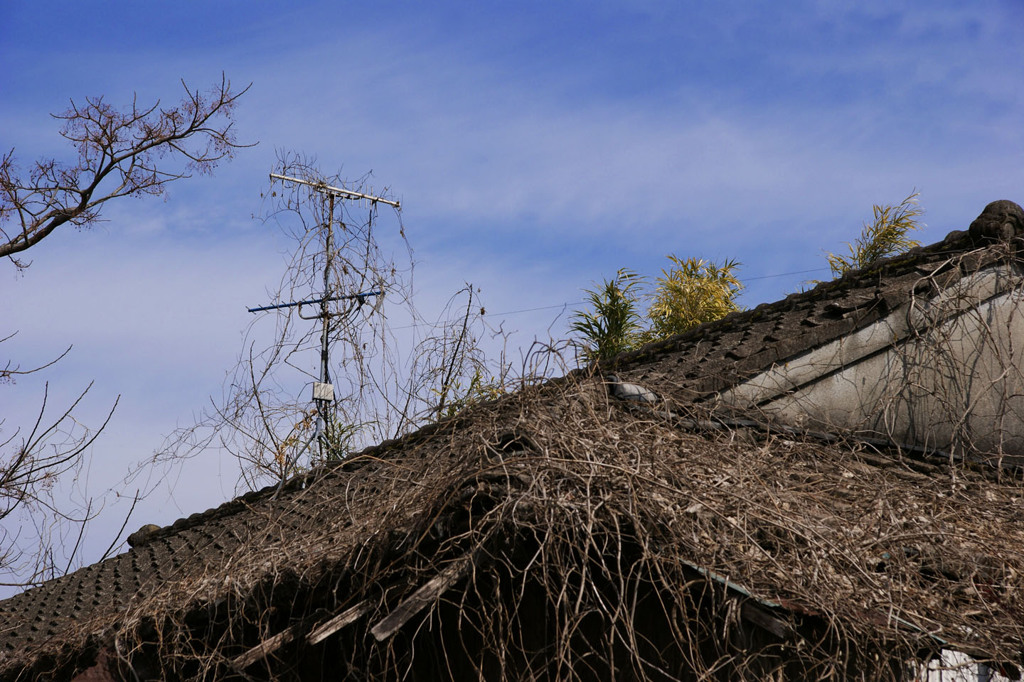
x,y
942,373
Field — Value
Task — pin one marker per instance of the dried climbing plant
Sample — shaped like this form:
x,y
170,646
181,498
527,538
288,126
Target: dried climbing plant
x,y
392,369
557,534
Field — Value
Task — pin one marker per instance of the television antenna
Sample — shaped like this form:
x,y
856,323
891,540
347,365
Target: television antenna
x,y
323,390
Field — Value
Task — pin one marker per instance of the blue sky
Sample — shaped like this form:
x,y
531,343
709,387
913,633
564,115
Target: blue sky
x,y
536,147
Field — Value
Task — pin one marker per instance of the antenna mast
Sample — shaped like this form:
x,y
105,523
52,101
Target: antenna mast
x,y
323,390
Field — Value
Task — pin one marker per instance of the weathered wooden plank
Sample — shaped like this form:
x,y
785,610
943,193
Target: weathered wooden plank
x,y
346,617
421,598
760,617
264,648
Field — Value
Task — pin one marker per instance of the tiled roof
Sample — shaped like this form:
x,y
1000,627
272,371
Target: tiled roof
x,y
376,525
718,355
226,551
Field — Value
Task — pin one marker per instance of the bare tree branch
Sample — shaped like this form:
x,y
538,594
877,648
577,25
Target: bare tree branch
x,y
10,370
30,469
120,153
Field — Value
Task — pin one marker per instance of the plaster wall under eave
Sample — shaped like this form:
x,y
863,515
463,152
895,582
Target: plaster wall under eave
x,y
940,373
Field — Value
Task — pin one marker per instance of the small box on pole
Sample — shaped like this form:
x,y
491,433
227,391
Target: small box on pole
x,y
322,391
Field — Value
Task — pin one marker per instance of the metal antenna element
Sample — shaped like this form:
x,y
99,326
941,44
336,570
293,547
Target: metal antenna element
x,y
337,191
323,390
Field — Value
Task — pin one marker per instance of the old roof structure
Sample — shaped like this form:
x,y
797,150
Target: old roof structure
x,y
772,515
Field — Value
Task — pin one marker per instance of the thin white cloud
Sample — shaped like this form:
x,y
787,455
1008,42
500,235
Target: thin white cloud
x,y
490,145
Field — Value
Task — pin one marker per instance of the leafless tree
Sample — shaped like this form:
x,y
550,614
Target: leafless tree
x,y
132,152
32,464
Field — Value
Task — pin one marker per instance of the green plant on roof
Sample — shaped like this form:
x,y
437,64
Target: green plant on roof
x,y
886,236
690,293
613,325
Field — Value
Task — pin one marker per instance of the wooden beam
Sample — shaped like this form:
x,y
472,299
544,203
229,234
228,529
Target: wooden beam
x,y
317,635
422,597
264,648
762,618
346,617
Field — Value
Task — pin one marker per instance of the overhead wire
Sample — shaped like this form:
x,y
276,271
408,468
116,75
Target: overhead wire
x,y
567,304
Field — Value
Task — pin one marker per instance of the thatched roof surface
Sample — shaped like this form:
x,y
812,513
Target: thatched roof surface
x,y
837,552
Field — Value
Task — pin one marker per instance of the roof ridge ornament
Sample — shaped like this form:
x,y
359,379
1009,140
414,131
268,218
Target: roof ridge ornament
x,y
1001,220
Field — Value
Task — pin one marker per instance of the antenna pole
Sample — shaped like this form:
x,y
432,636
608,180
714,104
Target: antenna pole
x,y
323,426
323,390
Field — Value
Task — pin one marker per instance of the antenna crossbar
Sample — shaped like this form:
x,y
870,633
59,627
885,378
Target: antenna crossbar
x,y
360,296
338,191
